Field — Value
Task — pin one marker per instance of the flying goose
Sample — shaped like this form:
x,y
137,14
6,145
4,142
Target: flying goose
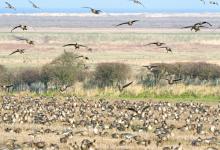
x,y
94,11
84,57
168,49
122,87
34,5
156,43
173,81
137,2
76,45
23,27
151,67
9,6
130,23
30,42
213,3
21,51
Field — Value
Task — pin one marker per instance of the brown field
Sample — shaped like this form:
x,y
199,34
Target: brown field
x,y
111,45
156,125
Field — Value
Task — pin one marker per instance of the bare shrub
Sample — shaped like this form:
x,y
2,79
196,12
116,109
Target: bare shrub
x,y
107,74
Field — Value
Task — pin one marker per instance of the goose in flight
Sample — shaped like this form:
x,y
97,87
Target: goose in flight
x,y
94,11
151,67
122,87
156,43
21,51
130,23
34,5
137,2
196,28
30,42
23,27
9,6
168,49
213,3
76,45
173,81
84,57
7,87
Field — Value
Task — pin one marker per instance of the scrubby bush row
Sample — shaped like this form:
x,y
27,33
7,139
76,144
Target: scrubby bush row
x,y
67,69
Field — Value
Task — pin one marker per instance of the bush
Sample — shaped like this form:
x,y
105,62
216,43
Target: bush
x,y
63,70
29,76
107,74
5,75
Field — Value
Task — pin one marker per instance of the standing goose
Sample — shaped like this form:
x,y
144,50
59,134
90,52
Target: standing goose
x,y
130,23
23,27
94,11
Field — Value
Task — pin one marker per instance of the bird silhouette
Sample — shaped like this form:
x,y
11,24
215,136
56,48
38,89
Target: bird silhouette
x,y
122,87
94,11
34,5
23,27
196,27
150,67
21,51
213,3
30,42
173,81
156,43
137,2
130,23
168,49
84,57
76,45
9,6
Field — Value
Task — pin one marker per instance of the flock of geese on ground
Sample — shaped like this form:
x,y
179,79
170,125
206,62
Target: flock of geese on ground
x,y
77,124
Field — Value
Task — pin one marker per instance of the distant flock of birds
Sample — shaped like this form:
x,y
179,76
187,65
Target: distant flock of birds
x,y
195,27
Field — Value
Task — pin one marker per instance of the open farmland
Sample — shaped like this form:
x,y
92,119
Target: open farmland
x,y
110,46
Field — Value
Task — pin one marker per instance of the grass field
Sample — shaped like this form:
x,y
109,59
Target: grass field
x,y
110,46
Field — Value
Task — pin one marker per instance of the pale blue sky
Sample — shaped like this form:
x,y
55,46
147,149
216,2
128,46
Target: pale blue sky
x,y
112,5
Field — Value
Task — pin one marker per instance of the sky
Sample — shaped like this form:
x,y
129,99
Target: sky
x,y
72,6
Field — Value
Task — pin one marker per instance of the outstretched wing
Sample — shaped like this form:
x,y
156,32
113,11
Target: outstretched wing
x,y
177,80
14,52
121,24
82,45
19,26
69,45
126,85
135,21
33,4
21,38
187,27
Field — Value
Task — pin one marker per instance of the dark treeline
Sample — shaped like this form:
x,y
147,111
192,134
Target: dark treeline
x,y
67,69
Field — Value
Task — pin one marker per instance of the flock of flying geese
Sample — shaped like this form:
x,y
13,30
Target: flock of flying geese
x,y
195,27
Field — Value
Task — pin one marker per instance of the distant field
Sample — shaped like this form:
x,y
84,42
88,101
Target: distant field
x,y
111,45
